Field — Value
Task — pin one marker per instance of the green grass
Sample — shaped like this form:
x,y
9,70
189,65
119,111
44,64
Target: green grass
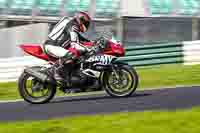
x,y
169,76
180,121
186,121
9,91
150,77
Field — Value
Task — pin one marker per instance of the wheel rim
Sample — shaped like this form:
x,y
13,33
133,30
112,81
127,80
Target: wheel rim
x,y
35,95
122,85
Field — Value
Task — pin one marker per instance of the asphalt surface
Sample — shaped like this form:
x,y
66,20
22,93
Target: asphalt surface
x,y
163,99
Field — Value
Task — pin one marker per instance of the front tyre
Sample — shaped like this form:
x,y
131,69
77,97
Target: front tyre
x,y
121,81
33,91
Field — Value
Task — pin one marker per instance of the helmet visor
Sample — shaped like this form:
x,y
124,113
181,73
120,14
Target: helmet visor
x,y
85,22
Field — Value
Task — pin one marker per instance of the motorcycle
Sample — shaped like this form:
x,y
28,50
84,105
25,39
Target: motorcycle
x,y
101,70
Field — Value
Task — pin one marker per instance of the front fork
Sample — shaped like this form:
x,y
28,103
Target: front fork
x,y
114,68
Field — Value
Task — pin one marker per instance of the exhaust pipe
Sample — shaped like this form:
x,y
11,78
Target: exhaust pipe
x,y
40,76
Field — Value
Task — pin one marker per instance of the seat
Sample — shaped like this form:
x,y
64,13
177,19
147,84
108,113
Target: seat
x,y
49,7
84,5
43,6
71,6
55,6
154,6
161,7
3,5
167,6
105,8
21,7
188,7
100,6
112,9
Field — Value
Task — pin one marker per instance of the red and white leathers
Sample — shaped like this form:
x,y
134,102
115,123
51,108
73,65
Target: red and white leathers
x,y
66,33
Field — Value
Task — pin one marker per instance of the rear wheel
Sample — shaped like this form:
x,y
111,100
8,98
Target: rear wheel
x,y
122,81
34,91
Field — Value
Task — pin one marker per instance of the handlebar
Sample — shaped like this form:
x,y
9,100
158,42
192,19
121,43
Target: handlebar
x,y
101,42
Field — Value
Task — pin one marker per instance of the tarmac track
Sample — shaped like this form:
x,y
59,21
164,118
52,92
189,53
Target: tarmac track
x,y
162,99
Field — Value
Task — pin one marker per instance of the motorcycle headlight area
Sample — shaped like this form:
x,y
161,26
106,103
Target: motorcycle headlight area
x,y
116,41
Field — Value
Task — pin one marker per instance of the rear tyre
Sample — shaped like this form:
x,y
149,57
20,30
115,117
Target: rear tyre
x,y
124,85
30,88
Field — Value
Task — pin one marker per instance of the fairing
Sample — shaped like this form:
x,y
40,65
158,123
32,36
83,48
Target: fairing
x,y
35,50
112,49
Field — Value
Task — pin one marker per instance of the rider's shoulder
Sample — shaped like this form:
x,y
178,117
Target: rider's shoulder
x,y
64,18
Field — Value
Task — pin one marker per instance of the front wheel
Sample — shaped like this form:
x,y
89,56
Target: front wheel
x,y
122,81
34,91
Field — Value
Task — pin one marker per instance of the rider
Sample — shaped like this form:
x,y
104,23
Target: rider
x,y
66,33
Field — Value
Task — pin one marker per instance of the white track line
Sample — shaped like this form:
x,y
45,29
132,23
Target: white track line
x,y
21,100
101,92
11,101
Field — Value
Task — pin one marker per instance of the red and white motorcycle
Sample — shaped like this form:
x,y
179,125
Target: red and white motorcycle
x,y
101,70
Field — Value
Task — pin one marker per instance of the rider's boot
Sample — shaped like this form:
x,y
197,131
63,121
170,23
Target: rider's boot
x,y
57,73
59,70
60,74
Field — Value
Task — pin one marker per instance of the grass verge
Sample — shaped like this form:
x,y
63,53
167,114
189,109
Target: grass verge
x,y
150,77
186,121
168,76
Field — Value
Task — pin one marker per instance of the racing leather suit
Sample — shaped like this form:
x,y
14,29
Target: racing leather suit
x,y
66,33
